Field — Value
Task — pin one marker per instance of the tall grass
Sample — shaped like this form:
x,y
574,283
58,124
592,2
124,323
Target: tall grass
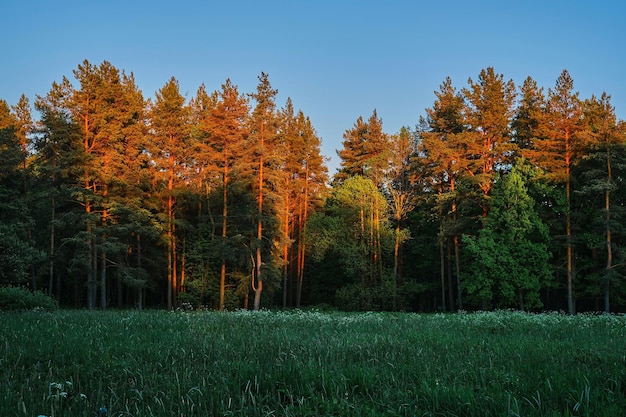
x,y
71,363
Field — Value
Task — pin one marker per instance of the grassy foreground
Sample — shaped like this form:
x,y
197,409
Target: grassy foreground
x,y
71,363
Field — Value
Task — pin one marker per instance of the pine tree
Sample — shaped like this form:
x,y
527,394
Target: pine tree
x,y
365,150
226,130
403,172
58,145
17,252
263,135
445,144
601,161
292,143
556,149
313,176
527,116
170,118
490,109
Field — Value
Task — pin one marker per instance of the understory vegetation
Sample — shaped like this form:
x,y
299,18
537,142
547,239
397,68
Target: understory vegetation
x,y
309,363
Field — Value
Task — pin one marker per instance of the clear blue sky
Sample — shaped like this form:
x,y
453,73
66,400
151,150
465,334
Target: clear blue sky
x,y
337,59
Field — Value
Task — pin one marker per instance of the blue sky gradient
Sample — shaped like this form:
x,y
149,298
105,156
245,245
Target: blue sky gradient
x,y
337,60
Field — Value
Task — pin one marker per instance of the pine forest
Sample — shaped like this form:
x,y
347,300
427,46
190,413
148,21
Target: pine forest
x,y
500,196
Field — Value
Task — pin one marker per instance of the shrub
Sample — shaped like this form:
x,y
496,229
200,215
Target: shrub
x,y
20,299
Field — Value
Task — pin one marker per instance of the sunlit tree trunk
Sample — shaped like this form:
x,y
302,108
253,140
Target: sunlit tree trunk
x,y
91,272
170,239
285,244
568,227
258,287
224,234
302,244
442,256
457,256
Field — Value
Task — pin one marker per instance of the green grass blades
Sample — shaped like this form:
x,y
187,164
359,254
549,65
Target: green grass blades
x,y
155,363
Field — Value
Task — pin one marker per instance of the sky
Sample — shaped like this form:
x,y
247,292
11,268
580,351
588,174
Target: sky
x,y
336,59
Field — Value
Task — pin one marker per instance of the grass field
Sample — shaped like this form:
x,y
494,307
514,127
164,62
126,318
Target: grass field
x,y
71,363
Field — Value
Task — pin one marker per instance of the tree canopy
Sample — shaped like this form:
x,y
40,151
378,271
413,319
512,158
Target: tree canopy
x,y
501,196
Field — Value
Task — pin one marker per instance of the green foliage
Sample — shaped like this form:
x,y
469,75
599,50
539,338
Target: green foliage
x,y
122,200
510,254
20,299
355,233
17,254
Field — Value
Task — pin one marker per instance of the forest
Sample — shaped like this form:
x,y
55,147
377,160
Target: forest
x,y
500,196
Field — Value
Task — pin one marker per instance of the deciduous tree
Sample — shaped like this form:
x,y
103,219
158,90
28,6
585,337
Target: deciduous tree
x,y
510,254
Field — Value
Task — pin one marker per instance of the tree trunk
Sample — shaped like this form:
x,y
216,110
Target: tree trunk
x,y
224,226
91,299
91,271
451,302
568,229
119,272
141,287
609,250
377,248
259,279
171,267
94,274
103,260
442,270
457,260
286,246
170,280
181,285
52,249
175,286
103,280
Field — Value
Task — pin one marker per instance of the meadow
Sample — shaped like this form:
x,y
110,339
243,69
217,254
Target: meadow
x,y
309,363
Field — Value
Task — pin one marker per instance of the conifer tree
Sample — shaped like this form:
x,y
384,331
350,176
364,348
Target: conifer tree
x,y
527,116
313,176
17,253
403,173
603,158
365,150
292,144
226,130
170,117
58,145
263,135
490,109
444,143
556,150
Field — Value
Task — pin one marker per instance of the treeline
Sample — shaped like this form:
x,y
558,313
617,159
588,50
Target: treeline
x,y
500,197
113,200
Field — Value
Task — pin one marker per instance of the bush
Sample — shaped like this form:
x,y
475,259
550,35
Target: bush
x,y
20,299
